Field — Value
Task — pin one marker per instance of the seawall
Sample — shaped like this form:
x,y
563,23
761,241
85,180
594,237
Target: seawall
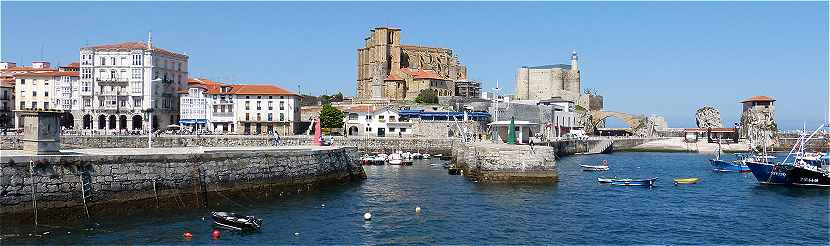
x,y
159,177
363,144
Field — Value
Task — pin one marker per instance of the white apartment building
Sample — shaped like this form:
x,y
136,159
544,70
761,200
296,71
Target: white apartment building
x,y
241,109
122,84
48,90
6,102
366,120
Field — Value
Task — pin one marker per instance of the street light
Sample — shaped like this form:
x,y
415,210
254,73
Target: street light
x,y
150,114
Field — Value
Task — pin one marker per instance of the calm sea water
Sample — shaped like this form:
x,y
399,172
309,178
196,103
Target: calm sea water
x,y
724,208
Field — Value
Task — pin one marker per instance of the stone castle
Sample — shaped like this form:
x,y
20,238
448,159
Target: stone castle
x,y
387,70
549,81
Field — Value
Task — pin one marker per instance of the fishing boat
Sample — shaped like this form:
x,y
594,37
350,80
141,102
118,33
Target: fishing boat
x,y
805,169
602,167
738,165
236,222
395,159
605,180
634,182
679,181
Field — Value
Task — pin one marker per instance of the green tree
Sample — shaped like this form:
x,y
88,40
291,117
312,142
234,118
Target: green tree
x,y
331,117
427,96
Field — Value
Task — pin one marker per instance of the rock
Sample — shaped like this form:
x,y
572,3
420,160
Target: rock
x,y
708,117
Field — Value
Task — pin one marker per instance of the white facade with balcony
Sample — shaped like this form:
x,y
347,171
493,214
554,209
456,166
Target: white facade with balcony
x,y
121,85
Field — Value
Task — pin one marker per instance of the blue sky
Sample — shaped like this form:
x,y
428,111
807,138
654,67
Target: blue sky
x,y
664,58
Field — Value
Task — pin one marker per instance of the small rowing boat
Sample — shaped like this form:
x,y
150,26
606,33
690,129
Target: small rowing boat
x,y
593,168
235,221
634,182
678,181
605,180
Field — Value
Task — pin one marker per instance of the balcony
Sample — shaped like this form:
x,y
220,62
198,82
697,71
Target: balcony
x,y
112,80
222,114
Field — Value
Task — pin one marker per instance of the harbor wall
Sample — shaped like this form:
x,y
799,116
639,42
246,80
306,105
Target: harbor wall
x,y
159,180
503,163
571,147
364,144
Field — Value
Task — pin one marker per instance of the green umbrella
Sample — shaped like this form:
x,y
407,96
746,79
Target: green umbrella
x,y
511,132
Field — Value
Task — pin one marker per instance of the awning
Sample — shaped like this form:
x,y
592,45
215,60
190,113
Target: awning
x,y
193,121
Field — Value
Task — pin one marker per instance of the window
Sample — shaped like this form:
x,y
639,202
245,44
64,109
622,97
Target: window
x,y
403,129
103,61
22,81
270,117
112,61
87,102
258,107
247,116
270,105
380,118
22,104
45,105
391,118
136,73
391,129
282,117
123,61
258,117
282,105
34,105
34,93
247,105
46,93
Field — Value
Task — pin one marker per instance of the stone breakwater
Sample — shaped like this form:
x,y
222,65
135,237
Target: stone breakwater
x,y
172,177
502,163
363,144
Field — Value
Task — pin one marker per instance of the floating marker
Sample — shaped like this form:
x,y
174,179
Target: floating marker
x,y
324,205
187,235
367,216
296,234
215,234
418,210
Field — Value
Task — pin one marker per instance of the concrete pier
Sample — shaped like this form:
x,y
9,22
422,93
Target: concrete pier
x,y
503,163
66,184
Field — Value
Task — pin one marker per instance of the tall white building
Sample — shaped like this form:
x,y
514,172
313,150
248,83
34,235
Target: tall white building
x,y
122,84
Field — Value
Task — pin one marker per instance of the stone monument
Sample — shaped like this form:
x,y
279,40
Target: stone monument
x,y
41,131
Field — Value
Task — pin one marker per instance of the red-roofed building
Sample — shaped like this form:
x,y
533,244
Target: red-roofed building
x,y
51,90
121,83
765,102
239,108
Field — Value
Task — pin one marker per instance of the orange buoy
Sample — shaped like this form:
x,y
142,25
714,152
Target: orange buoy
x,y
215,234
187,235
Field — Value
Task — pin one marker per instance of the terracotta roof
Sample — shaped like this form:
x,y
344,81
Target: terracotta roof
x,y
74,65
211,86
260,90
26,69
7,81
759,99
422,74
393,77
359,109
49,74
131,46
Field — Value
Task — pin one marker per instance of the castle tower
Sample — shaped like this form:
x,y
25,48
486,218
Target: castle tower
x,y
574,83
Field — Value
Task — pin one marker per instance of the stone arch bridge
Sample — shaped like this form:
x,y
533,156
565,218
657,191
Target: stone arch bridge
x,y
633,121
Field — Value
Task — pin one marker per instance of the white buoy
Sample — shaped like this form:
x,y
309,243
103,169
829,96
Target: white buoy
x,y
323,206
296,234
367,216
418,210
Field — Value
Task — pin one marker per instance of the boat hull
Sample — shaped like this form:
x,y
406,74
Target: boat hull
x,y
767,173
727,166
594,168
801,176
634,182
686,181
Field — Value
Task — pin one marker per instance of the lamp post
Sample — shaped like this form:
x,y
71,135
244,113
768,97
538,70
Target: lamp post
x,y
150,114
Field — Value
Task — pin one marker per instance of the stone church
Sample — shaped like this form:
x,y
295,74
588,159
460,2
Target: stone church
x,y
387,70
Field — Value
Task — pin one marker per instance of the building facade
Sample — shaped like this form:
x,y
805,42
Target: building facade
x,y
371,121
380,63
7,102
48,90
122,85
549,81
468,89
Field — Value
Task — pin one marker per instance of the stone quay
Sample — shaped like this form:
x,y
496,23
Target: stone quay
x,y
81,183
503,163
